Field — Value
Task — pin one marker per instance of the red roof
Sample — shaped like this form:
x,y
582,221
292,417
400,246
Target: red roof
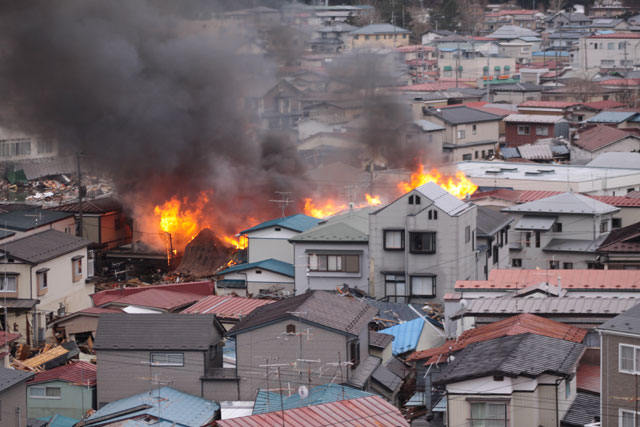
x,y
515,325
547,104
227,307
80,373
601,105
599,137
158,296
588,378
616,36
8,337
570,279
620,82
524,196
370,411
98,310
432,87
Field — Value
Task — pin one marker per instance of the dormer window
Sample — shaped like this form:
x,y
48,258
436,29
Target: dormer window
x,y
414,199
291,329
411,200
278,229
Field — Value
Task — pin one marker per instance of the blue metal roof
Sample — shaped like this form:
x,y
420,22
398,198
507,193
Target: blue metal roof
x,y
267,401
59,421
551,53
270,264
406,336
297,222
169,405
612,117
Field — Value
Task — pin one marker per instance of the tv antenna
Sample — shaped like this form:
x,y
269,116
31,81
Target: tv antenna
x,y
284,200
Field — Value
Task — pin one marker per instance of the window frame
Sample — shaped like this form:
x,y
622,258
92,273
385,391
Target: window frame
x,y
622,411
393,230
433,278
338,256
4,290
542,131
397,278
45,396
461,134
521,130
432,235
76,268
167,363
482,421
519,262
42,282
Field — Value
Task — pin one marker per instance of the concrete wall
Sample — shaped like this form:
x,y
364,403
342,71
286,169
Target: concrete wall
x,y
326,280
581,156
74,401
474,68
116,368
593,51
14,406
454,258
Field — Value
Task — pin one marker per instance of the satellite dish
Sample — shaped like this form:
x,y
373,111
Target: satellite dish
x,y
303,392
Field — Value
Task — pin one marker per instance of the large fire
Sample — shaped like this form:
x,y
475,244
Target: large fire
x,y
458,185
331,207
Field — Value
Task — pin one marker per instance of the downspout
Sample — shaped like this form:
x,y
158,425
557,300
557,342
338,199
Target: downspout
x,y
34,310
557,382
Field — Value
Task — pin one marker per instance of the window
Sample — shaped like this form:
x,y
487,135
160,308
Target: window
x,y
604,226
557,227
258,271
466,157
432,214
516,262
45,392
621,45
354,350
8,283
488,414
595,46
611,46
414,199
393,240
377,36
14,147
476,156
41,279
629,359
423,286
616,223
76,268
395,287
542,130
567,265
537,239
467,234
278,229
523,130
355,37
291,329
626,418
567,388
167,359
495,254
335,263
607,63
422,242
446,73
527,239
474,129
461,134
213,352
554,265
45,146
366,37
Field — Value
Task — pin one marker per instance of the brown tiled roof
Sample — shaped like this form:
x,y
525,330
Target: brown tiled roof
x,y
588,378
601,105
524,196
520,324
599,137
379,339
323,308
626,239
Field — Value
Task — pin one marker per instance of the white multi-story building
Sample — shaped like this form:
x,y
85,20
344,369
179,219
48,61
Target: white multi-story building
x,y
616,50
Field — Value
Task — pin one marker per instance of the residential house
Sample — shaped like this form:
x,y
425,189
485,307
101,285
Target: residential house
x,y
81,325
44,273
511,32
377,36
567,20
276,106
227,309
521,129
621,249
620,365
473,62
317,326
330,38
609,8
498,381
551,108
607,51
415,335
370,409
380,345
420,244
586,110
429,37
561,231
103,222
517,49
67,390
514,93
334,253
24,222
564,41
158,405
269,276
590,143
616,118
132,350
270,239
609,24
13,395
469,133
492,238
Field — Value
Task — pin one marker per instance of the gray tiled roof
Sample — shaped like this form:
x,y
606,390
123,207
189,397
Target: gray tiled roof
x,y
583,410
566,203
363,371
527,355
386,378
30,219
43,246
627,322
166,331
11,377
380,29
379,339
464,114
352,226
319,307
443,200
488,221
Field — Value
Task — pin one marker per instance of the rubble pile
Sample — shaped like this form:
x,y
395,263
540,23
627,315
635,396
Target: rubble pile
x,y
53,190
203,256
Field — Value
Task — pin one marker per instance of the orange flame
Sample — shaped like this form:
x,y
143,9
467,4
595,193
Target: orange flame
x,y
458,185
331,207
373,200
240,243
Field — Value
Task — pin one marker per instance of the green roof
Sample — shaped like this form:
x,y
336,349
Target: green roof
x,y
447,68
298,222
268,401
270,264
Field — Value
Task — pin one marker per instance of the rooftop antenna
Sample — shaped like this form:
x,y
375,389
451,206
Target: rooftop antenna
x,y
284,200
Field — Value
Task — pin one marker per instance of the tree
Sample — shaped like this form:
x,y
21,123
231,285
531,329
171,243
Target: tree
x,y
446,16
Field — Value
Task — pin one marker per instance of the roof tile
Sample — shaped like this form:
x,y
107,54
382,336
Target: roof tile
x,y
79,373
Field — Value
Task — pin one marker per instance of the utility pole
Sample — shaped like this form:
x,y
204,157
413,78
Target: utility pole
x,y
284,200
79,229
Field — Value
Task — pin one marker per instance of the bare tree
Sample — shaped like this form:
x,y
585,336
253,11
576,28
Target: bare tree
x,y
556,5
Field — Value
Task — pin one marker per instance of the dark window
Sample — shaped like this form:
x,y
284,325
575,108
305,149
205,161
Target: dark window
x,y
495,254
278,229
291,329
423,286
473,240
557,227
422,242
527,239
213,352
467,234
354,349
417,200
466,157
567,265
258,271
616,223
435,214
411,200
393,240
537,239
395,287
554,265
334,263
516,262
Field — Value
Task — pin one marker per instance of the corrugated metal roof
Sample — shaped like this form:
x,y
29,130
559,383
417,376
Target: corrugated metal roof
x,y
79,373
370,411
611,117
380,29
627,322
268,401
565,203
570,279
30,219
350,226
166,403
536,152
273,265
115,295
298,222
528,222
548,104
442,199
405,335
509,152
427,126
226,307
533,118
463,114
572,245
